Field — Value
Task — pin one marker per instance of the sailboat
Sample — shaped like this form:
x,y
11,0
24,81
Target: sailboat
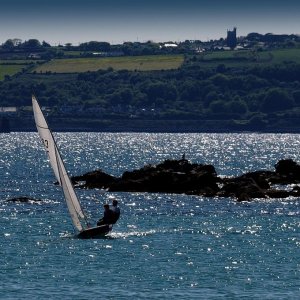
x,y
80,222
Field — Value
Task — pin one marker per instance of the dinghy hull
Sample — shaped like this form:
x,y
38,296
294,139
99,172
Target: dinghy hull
x,y
95,232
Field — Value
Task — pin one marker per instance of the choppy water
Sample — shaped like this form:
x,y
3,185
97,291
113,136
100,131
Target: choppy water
x,y
164,245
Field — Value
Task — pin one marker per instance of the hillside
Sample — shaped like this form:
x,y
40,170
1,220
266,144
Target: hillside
x,y
206,91
130,63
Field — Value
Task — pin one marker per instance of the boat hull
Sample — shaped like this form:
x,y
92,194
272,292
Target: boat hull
x,y
95,232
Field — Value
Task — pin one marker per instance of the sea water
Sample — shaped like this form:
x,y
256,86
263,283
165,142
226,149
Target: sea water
x,y
164,245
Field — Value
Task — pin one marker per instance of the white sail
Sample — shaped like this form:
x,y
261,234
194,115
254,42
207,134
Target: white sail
x,y
58,167
46,136
70,196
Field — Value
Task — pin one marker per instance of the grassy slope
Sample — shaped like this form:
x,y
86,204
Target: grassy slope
x,y
9,70
235,59
141,63
286,55
246,58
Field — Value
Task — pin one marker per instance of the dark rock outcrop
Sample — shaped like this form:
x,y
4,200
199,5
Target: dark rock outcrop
x,y
241,188
24,199
171,176
181,176
288,171
94,179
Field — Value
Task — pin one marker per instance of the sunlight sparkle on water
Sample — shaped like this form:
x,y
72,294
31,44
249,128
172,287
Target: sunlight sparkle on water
x,y
164,245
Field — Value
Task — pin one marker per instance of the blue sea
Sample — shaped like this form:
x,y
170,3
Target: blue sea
x,y
164,246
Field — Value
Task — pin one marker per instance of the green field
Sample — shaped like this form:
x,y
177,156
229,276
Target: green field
x,y
19,61
286,55
10,70
140,63
247,58
206,60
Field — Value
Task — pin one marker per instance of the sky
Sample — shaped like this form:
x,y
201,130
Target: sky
x,y
118,21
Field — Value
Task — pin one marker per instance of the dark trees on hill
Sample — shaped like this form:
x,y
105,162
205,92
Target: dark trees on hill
x,y
256,95
277,100
95,46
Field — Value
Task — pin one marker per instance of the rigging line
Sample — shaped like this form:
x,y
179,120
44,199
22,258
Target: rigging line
x,y
60,183
61,175
57,151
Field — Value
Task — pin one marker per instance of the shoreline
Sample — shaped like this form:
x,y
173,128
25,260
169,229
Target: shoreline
x,y
26,124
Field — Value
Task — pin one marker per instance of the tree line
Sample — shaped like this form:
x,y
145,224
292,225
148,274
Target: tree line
x,y
257,94
47,51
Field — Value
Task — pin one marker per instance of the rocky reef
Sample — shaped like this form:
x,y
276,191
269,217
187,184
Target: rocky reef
x,y
24,199
181,176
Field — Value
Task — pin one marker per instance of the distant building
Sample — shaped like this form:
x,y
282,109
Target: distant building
x,y
34,56
8,110
231,40
170,45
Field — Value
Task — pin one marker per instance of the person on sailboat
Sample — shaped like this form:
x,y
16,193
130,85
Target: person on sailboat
x,y
108,216
116,210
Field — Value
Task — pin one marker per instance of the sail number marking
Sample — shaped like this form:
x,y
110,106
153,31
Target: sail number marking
x,y
46,143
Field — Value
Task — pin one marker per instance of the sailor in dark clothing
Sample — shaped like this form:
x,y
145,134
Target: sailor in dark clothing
x,y
116,211
108,216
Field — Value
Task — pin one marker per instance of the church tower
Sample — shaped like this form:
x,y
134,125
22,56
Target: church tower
x,y
231,38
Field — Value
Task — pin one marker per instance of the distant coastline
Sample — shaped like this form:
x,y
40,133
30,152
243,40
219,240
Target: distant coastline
x,y
249,85
151,126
